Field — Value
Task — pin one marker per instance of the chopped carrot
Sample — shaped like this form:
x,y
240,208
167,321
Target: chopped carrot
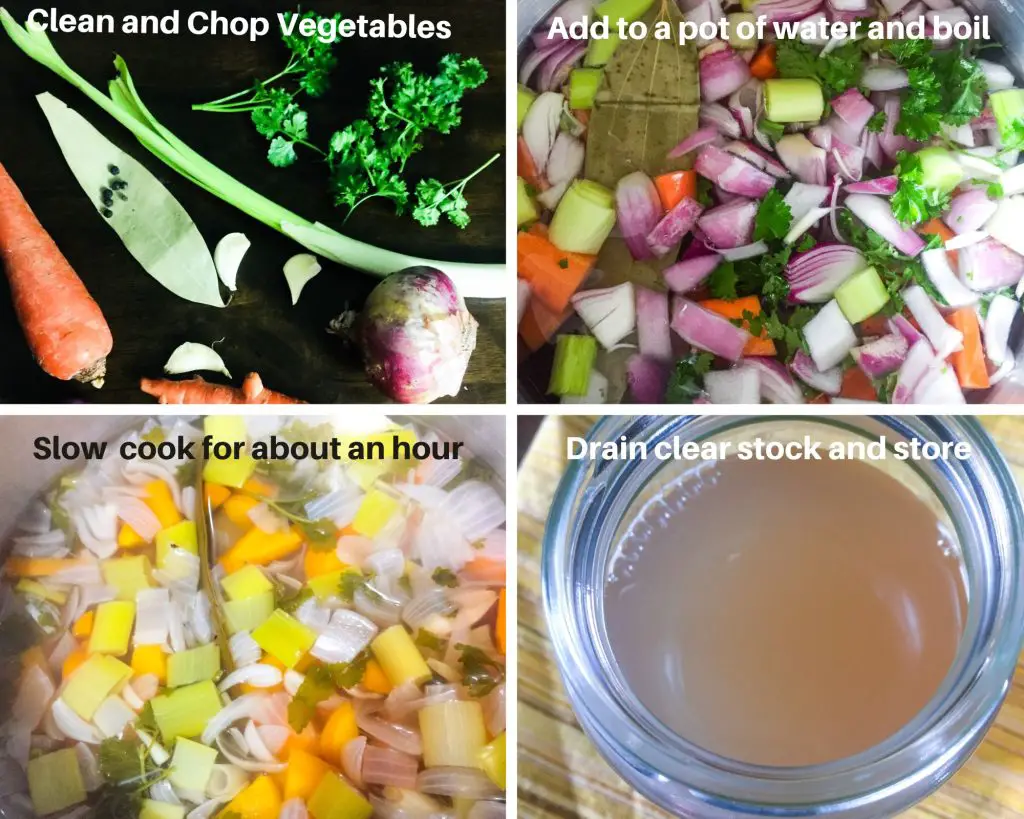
x,y
321,563
763,65
73,661
150,660
128,538
539,325
857,385
198,391
485,569
375,680
63,325
236,509
261,548
215,494
969,362
83,625
527,168
876,325
499,625
160,500
261,488
675,186
734,309
820,398
304,774
38,566
554,275
339,730
306,740
936,227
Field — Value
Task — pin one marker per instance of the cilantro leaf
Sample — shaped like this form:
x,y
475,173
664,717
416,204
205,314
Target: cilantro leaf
x,y
836,71
481,674
434,199
806,243
722,281
773,217
445,577
349,675
876,123
281,152
686,381
316,687
913,203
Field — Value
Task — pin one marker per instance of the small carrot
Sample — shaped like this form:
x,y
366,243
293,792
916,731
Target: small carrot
x,y
527,168
63,325
763,65
936,227
539,325
38,566
876,325
197,391
485,569
554,275
675,186
734,309
499,625
969,362
857,385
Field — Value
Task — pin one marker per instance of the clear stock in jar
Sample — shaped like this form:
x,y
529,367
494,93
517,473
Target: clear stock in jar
x,y
594,508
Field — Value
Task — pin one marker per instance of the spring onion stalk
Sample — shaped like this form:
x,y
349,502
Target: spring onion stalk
x,y
192,666
583,85
124,104
112,630
453,733
398,655
127,575
95,680
574,359
249,581
284,637
862,295
152,809
584,218
336,799
1008,109
793,100
186,711
55,782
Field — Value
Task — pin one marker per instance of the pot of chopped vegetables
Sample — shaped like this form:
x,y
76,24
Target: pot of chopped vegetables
x,y
309,635
798,218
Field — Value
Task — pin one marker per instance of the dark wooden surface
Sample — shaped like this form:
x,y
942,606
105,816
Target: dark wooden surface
x,y
260,329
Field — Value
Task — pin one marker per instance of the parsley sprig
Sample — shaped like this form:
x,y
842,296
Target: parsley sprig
x,y
836,71
914,203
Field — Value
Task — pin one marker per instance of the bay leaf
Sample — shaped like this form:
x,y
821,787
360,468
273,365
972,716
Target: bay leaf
x,y
647,104
153,225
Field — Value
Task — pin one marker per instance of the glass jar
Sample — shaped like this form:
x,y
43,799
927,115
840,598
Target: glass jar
x,y
593,508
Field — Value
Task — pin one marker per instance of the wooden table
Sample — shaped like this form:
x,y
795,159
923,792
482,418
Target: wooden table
x,y
260,329
560,773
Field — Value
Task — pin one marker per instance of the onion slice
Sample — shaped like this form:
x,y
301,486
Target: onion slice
x,y
877,214
936,265
829,381
639,210
708,331
609,313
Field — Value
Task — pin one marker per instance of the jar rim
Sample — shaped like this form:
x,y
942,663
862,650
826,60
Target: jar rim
x,y
922,754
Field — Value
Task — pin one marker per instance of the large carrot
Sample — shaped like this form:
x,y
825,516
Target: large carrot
x,y
197,391
969,362
63,325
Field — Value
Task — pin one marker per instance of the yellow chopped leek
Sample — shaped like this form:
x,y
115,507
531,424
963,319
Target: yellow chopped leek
x,y
37,589
185,711
454,733
182,535
399,657
227,432
128,575
250,613
55,782
112,630
151,809
336,799
191,765
374,512
192,666
284,638
92,682
246,582
583,219
492,760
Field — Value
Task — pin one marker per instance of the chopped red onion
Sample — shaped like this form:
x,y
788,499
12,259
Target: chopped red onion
x,y
876,213
821,136
744,102
902,325
936,265
352,759
722,71
828,381
804,224
979,162
889,141
919,358
1005,224
758,158
685,275
943,337
853,110
708,331
939,385
708,11
569,12
654,338
803,198
740,385
882,356
384,766
732,173
400,737
1012,180
884,77
960,134
554,71
846,160
565,161
699,138
775,383
541,127
1002,310
997,77
949,17
718,116
522,298
465,783
804,160
639,210
647,378
785,11
673,226
729,225
723,197
609,313
735,254
969,211
829,336
883,185
533,61
989,265
814,275
872,150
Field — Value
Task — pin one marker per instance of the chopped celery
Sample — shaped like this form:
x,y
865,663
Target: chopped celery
x,y
231,471
583,219
574,359
399,657
285,638
939,170
128,575
862,295
336,799
250,613
492,760
92,682
55,781
182,535
112,630
793,100
526,210
151,809
248,581
192,765
524,99
260,800
185,711
375,511
600,51
453,733
734,38
1008,110
583,85
192,666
